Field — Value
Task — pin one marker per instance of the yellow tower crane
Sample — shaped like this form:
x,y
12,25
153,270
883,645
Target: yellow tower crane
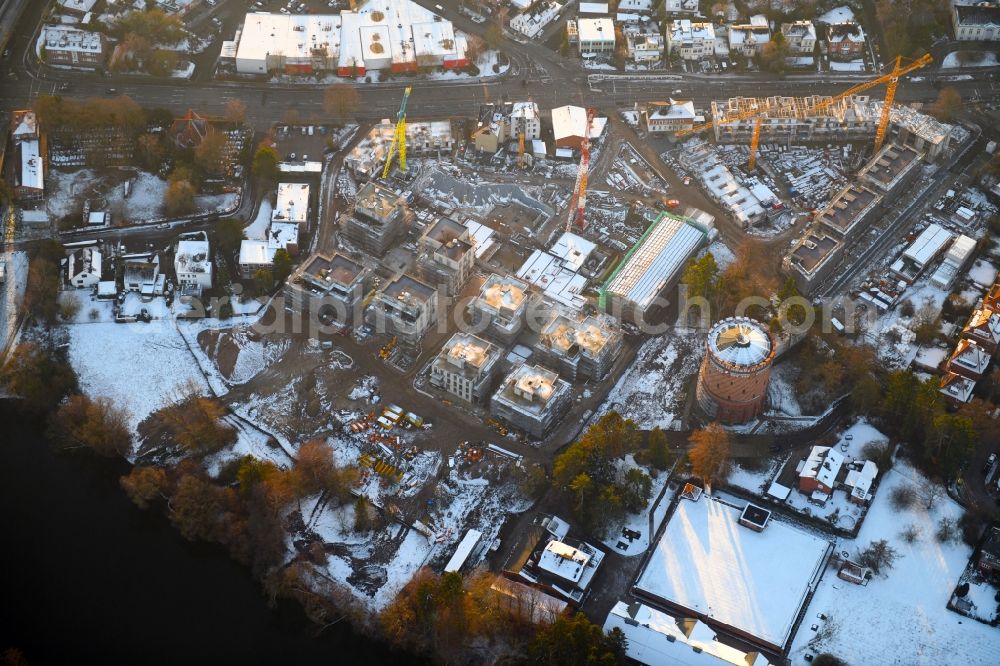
x,y
759,110
398,137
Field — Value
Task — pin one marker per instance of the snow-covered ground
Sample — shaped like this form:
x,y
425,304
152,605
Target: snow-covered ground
x,y
257,230
983,273
973,59
723,255
141,367
756,481
639,522
837,15
650,391
781,391
69,189
852,66
11,292
926,299
901,617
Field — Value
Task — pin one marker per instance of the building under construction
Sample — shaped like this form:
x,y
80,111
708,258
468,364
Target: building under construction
x,y
733,381
532,398
580,346
378,219
498,311
795,119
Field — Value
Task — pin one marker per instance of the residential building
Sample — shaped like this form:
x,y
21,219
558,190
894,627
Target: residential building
x,y
498,311
331,286
819,471
761,576
692,40
969,360
977,21
422,138
377,220
653,266
66,46
860,478
399,36
446,256
747,39
291,204
893,168
29,162
989,554
492,130
524,115
791,120
643,47
193,263
406,308
531,21
956,389
983,327
532,398
910,127
845,41
569,125
465,367
800,37
141,272
256,255
670,116
655,638
83,268
850,211
550,560
812,259
596,35
580,346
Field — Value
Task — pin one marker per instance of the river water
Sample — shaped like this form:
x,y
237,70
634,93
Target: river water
x,y
86,577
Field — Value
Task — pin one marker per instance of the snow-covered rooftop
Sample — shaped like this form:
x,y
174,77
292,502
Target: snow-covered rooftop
x,y
573,250
928,244
755,582
685,30
31,165
192,257
740,341
823,464
571,121
660,639
291,203
563,560
596,29
463,550
66,38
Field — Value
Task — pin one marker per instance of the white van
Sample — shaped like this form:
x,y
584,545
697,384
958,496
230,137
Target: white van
x,y
310,130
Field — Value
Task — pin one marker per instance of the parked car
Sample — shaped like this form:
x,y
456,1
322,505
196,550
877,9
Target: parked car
x,y
989,462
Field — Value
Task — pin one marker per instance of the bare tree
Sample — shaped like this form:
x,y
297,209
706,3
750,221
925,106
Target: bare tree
x,y
930,493
879,556
236,111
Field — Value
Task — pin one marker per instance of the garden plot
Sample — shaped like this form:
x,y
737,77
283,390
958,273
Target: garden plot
x,y
983,273
651,392
631,536
894,334
106,190
899,617
140,367
969,59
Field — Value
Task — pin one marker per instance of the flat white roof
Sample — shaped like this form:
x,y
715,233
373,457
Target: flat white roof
x,y
596,29
755,582
563,560
463,551
593,8
658,639
547,271
66,38
31,165
193,256
291,203
928,244
573,250
255,252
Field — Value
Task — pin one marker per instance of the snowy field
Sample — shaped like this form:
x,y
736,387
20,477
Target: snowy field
x,y
837,15
899,618
650,392
139,366
69,189
971,59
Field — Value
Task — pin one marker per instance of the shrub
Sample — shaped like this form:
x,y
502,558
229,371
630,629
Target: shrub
x,y
903,497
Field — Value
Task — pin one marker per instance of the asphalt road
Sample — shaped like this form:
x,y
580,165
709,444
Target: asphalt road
x,y
536,71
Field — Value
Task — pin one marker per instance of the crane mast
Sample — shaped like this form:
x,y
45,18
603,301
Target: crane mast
x,y
580,187
398,137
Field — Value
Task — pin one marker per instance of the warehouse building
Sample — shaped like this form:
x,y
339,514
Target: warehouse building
x,y
654,265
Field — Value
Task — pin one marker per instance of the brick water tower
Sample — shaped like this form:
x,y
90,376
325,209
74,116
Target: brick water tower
x,y
732,383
